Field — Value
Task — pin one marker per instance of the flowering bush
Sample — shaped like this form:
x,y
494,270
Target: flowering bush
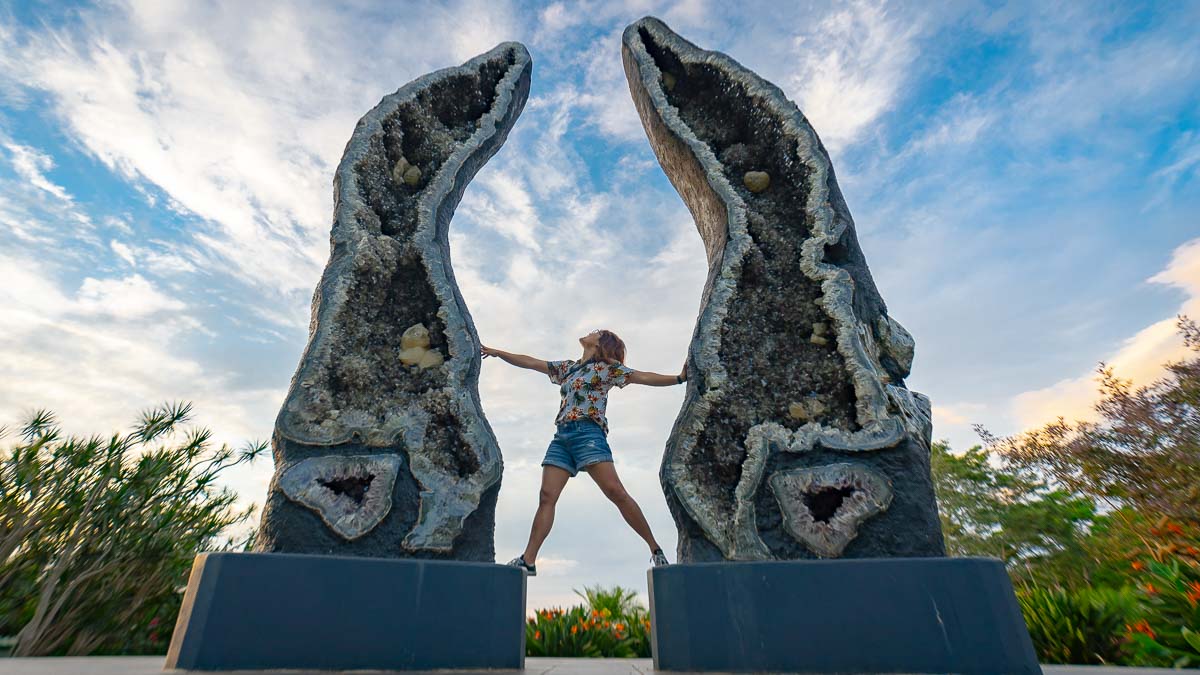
x,y
1127,521
609,624
1169,631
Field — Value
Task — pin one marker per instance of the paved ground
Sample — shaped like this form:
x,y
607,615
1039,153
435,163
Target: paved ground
x,y
152,665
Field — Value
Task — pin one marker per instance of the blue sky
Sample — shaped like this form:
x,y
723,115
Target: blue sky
x,y
1023,177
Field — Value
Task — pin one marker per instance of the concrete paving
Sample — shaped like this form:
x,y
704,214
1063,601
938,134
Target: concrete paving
x,y
152,665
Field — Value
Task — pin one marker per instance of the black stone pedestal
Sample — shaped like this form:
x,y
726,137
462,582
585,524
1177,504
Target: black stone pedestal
x,y
882,615
262,611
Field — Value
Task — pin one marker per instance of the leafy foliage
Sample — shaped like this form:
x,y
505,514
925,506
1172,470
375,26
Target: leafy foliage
x,y
1143,453
1083,626
1111,505
1171,593
97,534
611,623
991,508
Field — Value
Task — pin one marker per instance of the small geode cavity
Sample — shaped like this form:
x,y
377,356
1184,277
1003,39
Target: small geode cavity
x,y
351,494
823,506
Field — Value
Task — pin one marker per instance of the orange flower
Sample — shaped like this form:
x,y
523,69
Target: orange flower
x,y
1193,551
1151,589
574,630
1138,565
537,635
1174,528
1193,594
595,612
1142,627
620,626
607,624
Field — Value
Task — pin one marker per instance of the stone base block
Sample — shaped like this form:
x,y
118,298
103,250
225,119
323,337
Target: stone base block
x,y
874,615
263,611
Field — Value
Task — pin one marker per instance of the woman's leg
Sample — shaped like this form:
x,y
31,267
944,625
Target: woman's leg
x,y
554,479
605,475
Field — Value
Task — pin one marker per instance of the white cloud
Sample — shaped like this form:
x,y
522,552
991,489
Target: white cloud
x,y
605,96
123,252
242,122
851,69
129,298
98,356
1140,358
1185,160
30,193
507,207
32,165
956,414
555,567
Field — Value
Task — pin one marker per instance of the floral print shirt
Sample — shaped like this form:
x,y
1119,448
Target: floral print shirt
x,y
584,388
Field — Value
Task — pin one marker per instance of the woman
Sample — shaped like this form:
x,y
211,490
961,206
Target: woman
x,y
580,442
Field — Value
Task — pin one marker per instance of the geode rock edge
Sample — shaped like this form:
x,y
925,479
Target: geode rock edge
x,y
401,176
711,477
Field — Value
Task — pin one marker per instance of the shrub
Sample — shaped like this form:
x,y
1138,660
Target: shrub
x,y
610,624
1085,626
97,534
1168,632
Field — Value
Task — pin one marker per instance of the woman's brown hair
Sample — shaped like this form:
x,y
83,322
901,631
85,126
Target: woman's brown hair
x,y
610,347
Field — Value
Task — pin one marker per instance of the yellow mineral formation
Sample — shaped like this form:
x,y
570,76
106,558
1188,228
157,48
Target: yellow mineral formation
x,y
810,408
402,165
414,348
417,335
756,181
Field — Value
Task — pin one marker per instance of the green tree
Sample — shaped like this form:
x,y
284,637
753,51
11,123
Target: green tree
x,y
1138,463
1141,456
97,534
992,508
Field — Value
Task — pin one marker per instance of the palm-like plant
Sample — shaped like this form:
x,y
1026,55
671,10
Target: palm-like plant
x,y
97,534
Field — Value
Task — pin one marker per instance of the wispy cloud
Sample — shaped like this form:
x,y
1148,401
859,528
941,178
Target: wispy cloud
x,y
239,123
1140,358
31,165
851,68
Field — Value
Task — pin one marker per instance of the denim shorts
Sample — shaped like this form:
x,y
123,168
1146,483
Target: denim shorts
x,y
576,445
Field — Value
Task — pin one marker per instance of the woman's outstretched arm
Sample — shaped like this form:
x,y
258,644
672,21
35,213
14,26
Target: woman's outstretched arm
x,y
658,379
519,360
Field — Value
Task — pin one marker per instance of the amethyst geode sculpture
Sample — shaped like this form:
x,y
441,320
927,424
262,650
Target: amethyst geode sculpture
x,y
381,447
796,369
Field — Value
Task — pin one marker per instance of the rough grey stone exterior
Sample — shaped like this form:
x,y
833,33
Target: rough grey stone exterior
x,y
794,362
392,363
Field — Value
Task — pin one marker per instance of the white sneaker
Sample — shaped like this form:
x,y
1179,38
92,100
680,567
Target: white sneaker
x,y
519,561
659,558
